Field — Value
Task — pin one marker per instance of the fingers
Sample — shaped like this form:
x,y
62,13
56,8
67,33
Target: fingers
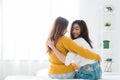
x,y
76,67
49,40
50,43
99,61
86,66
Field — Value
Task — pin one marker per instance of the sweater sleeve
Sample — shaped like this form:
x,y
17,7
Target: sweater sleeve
x,y
71,46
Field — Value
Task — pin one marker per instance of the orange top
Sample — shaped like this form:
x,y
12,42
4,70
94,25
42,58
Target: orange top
x,y
64,45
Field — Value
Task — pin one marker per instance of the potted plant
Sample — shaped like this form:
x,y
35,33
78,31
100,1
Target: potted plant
x,y
108,8
107,25
109,60
106,44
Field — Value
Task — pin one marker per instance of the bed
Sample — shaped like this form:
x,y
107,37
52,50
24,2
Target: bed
x,y
42,75
114,77
26,78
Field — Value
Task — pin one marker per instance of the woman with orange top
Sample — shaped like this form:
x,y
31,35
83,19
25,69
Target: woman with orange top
x,y
63,44
85,68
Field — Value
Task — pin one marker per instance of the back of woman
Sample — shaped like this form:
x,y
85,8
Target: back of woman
x,y
58,70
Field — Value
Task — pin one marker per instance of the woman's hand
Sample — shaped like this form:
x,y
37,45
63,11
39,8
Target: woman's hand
x,y
59,55
76,67
51,43
99,61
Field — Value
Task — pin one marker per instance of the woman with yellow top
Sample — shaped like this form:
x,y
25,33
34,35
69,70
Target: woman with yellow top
x,y
85,68
59,70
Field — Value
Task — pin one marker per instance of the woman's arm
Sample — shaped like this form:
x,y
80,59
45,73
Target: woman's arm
x,y
59,55
71,46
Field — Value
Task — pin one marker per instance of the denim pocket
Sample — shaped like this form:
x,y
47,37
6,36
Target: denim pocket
x,y
87,73
90,69
92,73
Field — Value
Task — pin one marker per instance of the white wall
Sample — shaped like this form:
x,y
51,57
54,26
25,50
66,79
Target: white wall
x,y
91,11
0,27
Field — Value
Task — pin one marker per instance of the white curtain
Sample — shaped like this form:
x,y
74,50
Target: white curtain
x,y
24,26
22,68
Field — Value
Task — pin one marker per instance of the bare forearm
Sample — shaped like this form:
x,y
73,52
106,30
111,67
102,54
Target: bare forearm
x,y
59,55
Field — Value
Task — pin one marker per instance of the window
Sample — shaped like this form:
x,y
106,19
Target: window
x,y
26,24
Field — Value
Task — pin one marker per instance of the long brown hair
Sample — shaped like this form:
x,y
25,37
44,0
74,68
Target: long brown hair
x,y
60,24
84,31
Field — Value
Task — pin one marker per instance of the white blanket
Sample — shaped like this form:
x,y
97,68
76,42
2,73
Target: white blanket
x,y
26,78
113,77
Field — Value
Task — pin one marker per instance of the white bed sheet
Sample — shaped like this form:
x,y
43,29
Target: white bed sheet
x,y
26,78
111,77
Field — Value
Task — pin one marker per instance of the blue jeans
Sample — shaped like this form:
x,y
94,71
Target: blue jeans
x,y
69,75
93,72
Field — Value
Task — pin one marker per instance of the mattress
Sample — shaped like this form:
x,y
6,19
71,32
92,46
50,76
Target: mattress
x,y
26,78
108,77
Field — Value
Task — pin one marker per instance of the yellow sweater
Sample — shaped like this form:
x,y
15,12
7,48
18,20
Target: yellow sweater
x,y
64,45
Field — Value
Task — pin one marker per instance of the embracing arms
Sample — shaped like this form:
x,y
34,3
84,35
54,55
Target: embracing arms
x,y
59,55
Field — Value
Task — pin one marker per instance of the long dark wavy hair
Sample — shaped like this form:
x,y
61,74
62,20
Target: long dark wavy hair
x,y
84,31
60,24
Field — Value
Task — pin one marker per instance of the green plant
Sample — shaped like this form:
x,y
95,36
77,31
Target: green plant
x,y
106,44
108,59
107,24
109,8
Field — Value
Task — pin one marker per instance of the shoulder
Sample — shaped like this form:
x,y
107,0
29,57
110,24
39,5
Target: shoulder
x,y
79,39
82,42
65,38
